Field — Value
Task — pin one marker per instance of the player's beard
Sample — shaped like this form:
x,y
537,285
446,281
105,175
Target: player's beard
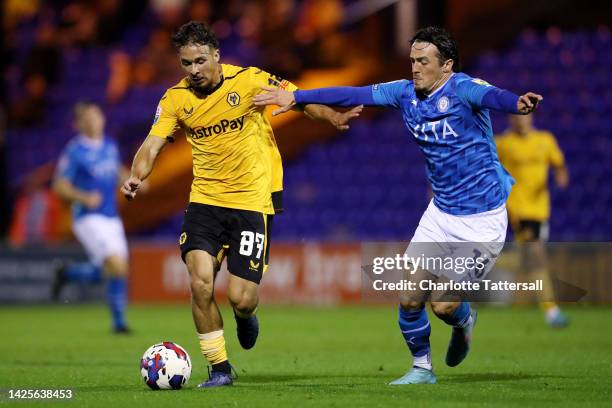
x,y
193,83
205,88
201,89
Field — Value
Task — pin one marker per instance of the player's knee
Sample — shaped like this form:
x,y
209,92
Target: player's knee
x,y
245,304
411,304
243,301
444,309
202,288
246,307
116,266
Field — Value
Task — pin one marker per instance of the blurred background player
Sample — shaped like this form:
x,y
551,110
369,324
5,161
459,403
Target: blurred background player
x,y
234,158
447,112
87,176
528,154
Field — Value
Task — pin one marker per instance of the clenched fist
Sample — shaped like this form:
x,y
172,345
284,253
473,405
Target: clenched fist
x,y
130,187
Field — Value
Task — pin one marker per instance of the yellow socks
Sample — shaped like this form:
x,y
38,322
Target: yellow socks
x,y
213,347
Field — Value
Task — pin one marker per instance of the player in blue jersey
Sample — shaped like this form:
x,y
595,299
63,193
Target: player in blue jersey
x,y
87,176
447,113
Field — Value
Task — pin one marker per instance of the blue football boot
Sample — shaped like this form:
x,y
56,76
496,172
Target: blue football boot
x,y
247,330
217,379
417,375
459,344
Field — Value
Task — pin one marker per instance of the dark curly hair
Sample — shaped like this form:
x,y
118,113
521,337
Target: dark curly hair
x,y
194,32
442,39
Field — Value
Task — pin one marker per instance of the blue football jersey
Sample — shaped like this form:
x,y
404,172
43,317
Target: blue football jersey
x,y
454,133
92,166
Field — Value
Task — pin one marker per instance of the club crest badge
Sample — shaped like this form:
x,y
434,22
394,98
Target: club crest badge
x,y
443,104
233,99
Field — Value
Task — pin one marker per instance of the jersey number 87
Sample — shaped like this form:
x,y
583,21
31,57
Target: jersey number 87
x,y
248,241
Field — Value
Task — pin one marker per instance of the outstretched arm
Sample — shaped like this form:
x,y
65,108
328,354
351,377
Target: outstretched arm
x,y
336,96
339,120
142,164
481,94
506,101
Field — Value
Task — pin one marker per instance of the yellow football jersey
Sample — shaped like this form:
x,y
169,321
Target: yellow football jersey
x,y
236,162
527,159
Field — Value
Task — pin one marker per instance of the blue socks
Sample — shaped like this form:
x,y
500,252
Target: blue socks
x,y
83,272
460,317
116,288
116,295
416,329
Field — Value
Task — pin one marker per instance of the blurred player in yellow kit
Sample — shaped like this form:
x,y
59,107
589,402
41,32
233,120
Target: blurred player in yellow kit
x,y
528,154
237,182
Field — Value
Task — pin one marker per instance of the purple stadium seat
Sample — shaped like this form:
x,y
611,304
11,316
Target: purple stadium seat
x,y
370,183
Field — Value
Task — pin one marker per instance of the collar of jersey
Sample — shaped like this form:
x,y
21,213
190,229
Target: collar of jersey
x,y
93,144
441,86
213,89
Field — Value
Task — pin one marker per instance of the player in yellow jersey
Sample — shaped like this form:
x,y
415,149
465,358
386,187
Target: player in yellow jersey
x,y
528,154
236,168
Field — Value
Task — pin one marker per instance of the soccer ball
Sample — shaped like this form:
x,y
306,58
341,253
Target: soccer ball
x,y
165,366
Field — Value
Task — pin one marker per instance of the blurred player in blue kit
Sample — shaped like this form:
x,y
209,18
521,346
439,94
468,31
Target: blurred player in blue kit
x,y
87,176
447,113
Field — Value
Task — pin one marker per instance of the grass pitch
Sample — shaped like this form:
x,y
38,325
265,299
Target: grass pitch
x,y
311,357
